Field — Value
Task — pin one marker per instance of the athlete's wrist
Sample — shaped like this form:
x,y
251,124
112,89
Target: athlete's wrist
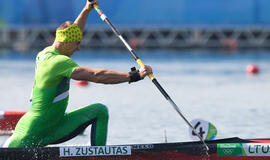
x,y
134,75
88,8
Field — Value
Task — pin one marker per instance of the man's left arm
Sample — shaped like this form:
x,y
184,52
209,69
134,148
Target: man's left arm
x,y
82,18
107,76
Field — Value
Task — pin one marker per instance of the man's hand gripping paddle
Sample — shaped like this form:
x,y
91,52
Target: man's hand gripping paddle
x,y
151,76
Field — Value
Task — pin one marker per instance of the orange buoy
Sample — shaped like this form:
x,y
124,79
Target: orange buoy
x,y
252,69
82,83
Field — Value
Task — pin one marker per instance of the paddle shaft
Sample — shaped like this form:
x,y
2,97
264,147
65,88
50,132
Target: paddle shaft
x,y
153,79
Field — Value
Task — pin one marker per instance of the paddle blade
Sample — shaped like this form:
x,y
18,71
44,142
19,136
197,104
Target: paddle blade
x,y
205,129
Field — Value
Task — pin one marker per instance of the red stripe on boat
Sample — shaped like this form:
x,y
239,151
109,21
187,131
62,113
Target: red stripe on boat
x,y
261,141
10,119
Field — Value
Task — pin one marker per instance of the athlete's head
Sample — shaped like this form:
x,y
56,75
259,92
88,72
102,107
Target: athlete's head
x,y
68,38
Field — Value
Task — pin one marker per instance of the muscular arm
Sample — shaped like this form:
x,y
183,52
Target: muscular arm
x,y
104,76
82,18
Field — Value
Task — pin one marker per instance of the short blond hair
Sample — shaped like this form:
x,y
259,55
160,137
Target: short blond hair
x,y
65,25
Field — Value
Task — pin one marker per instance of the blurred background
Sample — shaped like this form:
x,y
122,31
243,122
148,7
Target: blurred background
x,y
211,56
178,24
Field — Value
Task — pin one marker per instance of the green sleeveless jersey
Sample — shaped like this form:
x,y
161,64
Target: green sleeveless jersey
x,y
50,93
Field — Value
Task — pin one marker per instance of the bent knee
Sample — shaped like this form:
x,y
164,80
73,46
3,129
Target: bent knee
x,y
103,110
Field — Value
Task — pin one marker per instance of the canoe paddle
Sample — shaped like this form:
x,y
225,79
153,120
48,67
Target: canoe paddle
x,y
151,76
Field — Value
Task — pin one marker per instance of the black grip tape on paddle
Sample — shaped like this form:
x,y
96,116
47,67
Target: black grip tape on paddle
x,y
134,75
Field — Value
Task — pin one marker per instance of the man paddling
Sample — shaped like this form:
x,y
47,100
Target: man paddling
x,y
46,122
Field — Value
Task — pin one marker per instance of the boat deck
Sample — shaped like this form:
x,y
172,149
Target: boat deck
x,y
223,149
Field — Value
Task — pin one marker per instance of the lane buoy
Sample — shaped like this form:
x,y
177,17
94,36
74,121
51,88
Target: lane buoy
x,y
252,69
82,83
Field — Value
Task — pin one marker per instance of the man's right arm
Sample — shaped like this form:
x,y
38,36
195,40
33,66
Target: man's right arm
x,y
82,18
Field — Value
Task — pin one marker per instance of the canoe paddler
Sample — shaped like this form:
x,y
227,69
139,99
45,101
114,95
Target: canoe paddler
x,y
46,122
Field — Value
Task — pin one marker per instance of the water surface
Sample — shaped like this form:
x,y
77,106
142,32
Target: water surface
x,y
209,85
